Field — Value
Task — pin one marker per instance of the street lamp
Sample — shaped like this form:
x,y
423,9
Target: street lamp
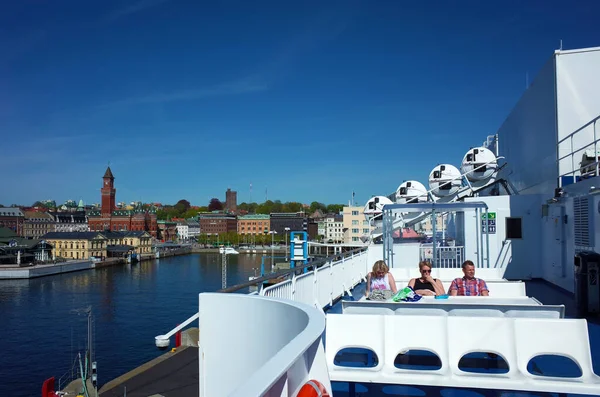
x,y
272,233
287,230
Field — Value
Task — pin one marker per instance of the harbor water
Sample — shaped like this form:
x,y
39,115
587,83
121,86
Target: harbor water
x,y
44,324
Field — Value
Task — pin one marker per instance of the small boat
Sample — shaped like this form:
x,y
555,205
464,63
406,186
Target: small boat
x,y
227,250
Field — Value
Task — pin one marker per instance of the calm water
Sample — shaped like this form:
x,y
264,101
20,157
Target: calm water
x,y
41,334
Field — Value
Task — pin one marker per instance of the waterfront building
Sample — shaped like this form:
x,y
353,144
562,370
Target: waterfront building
x,y
193,228
231,201
122,243
36,224
84,245
167,230
355,225
108,217
217,223
77,245
12,218
253,224
182,230
70,221
16,250
293,221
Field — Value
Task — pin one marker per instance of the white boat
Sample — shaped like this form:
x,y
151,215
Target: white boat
x,y
227,251
529,221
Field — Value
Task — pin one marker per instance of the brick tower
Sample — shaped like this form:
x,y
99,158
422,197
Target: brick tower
x,y
231,200
108,193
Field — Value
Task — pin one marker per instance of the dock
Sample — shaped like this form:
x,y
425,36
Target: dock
x,y
172,374
11,273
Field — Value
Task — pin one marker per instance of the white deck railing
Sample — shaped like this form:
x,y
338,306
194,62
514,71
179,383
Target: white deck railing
x,y
322,286
447,257
570,151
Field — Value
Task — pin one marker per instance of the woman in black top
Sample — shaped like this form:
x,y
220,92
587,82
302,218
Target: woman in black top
x,y
426,285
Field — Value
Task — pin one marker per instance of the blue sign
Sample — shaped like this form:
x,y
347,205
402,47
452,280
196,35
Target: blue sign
x,y
488,224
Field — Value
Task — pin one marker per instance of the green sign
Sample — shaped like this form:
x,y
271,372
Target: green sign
x,y
488,223
489,215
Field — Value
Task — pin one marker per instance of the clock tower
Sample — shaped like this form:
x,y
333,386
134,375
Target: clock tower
x,y
108,193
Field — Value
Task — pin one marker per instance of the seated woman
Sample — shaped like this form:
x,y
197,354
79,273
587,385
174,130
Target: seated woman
x,y
380,279
426,285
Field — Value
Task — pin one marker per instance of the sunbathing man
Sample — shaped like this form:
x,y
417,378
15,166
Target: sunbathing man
x,y
468,285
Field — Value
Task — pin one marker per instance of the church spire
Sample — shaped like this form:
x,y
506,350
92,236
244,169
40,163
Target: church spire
x,y
108,173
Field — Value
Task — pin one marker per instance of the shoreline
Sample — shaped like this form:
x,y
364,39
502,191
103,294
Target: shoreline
x,y
35,271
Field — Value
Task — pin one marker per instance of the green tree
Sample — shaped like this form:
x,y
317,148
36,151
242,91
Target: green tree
x,y
161,214
315,205
294,207
335,208
190,213
182,206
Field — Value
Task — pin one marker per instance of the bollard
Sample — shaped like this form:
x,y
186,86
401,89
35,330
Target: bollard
x,y
178,338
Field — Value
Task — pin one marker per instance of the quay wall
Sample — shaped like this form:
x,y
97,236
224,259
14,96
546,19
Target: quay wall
x,y
44,270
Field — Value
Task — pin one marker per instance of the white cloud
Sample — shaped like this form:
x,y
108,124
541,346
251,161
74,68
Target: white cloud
x,y
132,8
234,88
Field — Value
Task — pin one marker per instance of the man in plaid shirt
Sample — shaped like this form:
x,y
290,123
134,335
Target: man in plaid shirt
x,y
468,285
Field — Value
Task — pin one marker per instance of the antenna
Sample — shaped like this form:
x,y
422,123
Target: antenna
x,y
250,191
561,44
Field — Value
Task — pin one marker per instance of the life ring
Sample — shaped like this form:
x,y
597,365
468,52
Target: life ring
x,y
313,388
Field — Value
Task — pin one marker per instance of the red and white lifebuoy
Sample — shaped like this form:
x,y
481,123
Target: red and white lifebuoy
x,y
313,388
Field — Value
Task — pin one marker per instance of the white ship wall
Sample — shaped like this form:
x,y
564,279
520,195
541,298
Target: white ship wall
x,y
519,257
578,103
527,138
564,97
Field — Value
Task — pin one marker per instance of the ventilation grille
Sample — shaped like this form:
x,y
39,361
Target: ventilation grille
x,y
581,214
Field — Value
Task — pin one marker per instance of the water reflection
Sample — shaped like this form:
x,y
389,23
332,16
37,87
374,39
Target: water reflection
x,y
131,304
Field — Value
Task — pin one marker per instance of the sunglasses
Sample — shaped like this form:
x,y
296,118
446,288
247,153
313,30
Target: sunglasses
x,y
425,271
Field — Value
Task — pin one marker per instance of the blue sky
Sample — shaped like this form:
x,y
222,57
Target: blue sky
x,y
309,100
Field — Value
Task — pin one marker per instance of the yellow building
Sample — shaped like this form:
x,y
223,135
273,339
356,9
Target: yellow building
x,y
355,225
140,241
84,245
77,245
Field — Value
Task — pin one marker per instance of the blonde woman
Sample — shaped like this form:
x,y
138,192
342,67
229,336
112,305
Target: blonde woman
x,y
426,285
380,278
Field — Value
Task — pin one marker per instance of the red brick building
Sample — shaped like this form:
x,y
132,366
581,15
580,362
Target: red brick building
x,y
113,219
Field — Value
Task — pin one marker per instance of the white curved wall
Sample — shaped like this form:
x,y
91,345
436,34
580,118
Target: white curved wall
x,y
250,344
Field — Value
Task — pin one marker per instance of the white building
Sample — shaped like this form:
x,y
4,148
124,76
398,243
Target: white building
x,y
193,229
334,228
182,231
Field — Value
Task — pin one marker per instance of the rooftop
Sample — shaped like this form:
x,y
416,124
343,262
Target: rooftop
x,y
10,211
254,217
